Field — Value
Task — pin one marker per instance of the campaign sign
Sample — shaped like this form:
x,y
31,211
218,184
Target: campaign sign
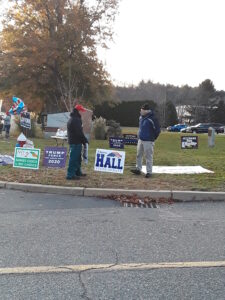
x,y
115,142
109,161
55,157
130,139
189,142
26,158
25,120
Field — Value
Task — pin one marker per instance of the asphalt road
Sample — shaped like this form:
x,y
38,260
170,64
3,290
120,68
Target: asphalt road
x,y
51,230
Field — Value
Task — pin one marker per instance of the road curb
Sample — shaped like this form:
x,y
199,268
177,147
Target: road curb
x,y
179,196
2,184
96,192
39,188
192,196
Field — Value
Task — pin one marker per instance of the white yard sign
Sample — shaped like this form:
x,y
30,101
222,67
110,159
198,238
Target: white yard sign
x,y
109,161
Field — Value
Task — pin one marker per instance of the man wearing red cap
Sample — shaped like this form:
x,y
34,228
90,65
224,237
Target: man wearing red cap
x,y
76,138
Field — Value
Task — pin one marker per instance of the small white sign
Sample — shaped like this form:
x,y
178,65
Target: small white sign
x,y
189,142
109,161
25,120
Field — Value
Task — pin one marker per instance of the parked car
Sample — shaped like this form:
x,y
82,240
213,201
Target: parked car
x,y
202,128
222,129
176,127
217,127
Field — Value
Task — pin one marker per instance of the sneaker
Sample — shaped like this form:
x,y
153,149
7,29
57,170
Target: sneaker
x,y
82,175
148,175
136,171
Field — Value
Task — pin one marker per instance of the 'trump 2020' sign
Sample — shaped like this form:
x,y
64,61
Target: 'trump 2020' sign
x,y
109,161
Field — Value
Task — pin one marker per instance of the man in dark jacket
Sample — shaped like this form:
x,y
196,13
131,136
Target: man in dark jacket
x,y
76,138
149,131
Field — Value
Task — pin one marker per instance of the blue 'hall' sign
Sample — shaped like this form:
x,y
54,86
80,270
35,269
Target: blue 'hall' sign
x,y
109,161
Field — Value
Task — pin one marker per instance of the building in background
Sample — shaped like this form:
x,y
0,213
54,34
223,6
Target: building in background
x,y
183,114
59,121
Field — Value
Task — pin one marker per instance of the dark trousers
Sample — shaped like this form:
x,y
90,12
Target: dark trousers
x,y
7,129
74,168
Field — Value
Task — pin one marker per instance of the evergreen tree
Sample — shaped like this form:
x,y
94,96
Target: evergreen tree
x,y
218,114
171,114
127,113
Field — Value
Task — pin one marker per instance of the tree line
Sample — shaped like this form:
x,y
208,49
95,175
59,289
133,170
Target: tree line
x,y
199,104
160,93
202,103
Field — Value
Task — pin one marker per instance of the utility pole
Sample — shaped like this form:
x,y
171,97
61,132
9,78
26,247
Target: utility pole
x,y
164,108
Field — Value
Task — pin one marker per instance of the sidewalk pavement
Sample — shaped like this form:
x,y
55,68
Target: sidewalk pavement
x,y
180,196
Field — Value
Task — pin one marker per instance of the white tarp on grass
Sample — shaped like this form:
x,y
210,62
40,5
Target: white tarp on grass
x,y
177,170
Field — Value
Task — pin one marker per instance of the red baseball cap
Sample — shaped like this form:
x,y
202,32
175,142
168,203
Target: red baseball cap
x,y
80,107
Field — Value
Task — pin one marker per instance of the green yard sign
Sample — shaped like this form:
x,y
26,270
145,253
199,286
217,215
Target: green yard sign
x,y
26,158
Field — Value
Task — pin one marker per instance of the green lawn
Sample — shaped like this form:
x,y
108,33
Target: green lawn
x,y
167,152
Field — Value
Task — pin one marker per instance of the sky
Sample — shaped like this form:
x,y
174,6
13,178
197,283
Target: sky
x,y
168,41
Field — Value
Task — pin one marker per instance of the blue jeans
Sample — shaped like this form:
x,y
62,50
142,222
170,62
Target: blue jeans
x,y
74,168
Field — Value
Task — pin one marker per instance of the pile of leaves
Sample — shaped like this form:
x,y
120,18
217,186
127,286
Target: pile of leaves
x,y
135,199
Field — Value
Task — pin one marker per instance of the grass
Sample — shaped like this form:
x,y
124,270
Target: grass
x,y
167,152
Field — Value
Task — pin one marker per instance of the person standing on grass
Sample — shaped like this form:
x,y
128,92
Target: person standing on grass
x,y
7,124
1,125
76,139
149,131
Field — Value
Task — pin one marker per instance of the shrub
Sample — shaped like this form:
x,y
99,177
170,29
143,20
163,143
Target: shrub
x,y
114,129
100,129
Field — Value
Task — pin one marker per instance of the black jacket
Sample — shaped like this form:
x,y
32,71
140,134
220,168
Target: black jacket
x,y
75,130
